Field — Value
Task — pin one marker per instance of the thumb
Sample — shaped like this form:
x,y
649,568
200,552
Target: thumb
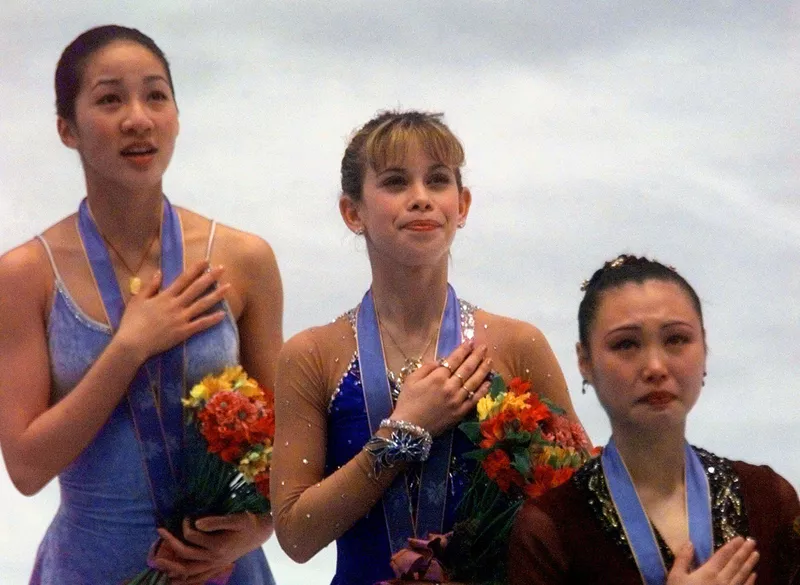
x,y
213,523
684,559
151,288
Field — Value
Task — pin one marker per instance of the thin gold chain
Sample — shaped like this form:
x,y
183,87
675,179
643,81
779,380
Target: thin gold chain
x,y
134,282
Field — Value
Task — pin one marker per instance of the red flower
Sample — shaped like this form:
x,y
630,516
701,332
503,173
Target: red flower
x,y
498,468
230,422
518,386
545,478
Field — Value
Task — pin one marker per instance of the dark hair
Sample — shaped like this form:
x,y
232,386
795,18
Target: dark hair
x,y
71,65
385,140
614,274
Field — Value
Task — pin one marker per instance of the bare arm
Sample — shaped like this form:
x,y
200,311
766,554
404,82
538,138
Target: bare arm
x,y
310,512
261,322
39,440
521,349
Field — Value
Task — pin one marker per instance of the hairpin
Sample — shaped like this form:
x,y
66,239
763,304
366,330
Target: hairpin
x,y
617,262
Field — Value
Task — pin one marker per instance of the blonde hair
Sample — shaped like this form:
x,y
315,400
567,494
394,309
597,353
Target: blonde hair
x,y
385,140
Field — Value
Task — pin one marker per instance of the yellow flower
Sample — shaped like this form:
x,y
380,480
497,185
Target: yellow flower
x,y
248,387
514,402
255,462
485,407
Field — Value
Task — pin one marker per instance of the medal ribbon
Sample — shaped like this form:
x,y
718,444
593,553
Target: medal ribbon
x,y
636,525
158,421
397,508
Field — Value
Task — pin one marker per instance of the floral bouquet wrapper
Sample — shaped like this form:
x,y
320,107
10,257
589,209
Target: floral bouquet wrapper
x,y
420,561
230,429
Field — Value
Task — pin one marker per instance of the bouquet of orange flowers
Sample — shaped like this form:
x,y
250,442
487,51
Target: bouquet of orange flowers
x,y
230,427
526,446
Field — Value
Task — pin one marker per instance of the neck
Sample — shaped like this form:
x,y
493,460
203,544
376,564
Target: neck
x,y
655,459
410,300
129,220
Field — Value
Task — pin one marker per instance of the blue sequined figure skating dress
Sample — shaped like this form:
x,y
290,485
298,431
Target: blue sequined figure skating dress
x,y
363,552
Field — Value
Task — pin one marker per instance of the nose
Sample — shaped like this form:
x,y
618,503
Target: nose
x,y
655,366
137,118
419,198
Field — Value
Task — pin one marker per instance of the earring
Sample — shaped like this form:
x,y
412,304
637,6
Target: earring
x,y
704,378
462,223
584,385
359,231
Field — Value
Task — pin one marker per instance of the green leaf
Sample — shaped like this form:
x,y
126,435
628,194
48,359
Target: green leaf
x,y
472,429
521,463
478,454
497,386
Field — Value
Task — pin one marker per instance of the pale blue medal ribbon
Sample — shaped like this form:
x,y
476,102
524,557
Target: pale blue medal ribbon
x,y
397,508
636,525
158,423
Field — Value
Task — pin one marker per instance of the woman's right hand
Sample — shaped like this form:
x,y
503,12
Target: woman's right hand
x,y
154,321
439,395
732,564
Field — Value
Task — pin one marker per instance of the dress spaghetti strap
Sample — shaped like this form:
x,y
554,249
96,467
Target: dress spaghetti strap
x,y
212,232
47,249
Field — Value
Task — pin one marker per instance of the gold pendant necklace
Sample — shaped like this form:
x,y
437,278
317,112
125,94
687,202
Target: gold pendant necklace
x,y
134,282
411,364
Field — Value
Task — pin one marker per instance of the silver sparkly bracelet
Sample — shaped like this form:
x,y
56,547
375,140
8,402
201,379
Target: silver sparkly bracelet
x,y
401,425
401,446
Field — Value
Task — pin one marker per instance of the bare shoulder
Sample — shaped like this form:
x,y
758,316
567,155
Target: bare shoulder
x,y
512,334
253,251
25,268
322,341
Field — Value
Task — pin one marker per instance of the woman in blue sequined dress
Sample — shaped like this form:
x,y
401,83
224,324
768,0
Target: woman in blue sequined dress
x,y
117,303
357,398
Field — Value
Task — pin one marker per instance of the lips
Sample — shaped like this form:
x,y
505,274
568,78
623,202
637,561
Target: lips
x,y
657,398
139,149
422,225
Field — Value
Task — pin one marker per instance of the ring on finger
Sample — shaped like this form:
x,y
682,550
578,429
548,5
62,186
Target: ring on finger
x,y
459,376
444,363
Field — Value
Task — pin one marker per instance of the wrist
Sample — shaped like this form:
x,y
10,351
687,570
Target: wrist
x,y
406,443
125,351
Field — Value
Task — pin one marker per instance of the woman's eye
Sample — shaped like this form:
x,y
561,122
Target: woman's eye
x,y
394,181
624,344
440,179
109,98
158,95
678,339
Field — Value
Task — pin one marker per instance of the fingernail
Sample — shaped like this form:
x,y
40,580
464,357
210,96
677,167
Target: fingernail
x,y
488,361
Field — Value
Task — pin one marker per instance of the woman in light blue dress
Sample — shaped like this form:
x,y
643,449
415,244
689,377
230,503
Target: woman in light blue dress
x,y
110,314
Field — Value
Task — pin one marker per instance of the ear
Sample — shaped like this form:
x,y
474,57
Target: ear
x,y
67,132
464,202
351,214
584,362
